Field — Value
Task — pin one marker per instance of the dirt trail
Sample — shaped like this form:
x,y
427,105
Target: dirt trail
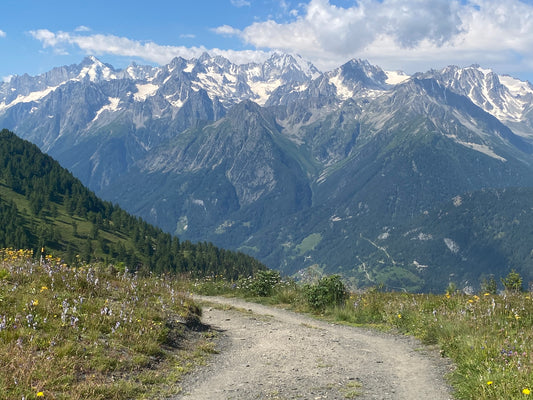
x,y
268,353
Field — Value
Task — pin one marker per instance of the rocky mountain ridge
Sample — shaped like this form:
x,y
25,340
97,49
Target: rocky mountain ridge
x,y
291,165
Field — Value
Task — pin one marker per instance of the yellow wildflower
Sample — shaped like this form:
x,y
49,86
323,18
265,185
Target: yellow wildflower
x,y
35,302
526,391
43,288
400,316
490,383
40,394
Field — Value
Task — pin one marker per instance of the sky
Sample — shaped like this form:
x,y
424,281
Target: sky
x,y
407,35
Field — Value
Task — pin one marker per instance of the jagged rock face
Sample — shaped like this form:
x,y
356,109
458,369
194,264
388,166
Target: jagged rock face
x,y
291,165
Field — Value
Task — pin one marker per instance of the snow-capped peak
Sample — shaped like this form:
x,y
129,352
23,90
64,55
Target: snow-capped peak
x,y
516,87
357,77
505,98
285,62
96,70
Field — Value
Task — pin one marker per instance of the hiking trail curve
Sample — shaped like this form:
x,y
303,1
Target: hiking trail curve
x,y
270,353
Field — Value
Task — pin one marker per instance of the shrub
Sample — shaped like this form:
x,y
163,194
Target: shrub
x,y
513,282
263,283
489,286
328,292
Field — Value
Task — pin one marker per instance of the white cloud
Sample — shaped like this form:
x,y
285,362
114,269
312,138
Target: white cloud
x,y
83,28
227,30
187,36
407,34
411,35
2,34
240,3
339,31
99,44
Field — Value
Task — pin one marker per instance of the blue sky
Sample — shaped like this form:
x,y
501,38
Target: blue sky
x,y
408,35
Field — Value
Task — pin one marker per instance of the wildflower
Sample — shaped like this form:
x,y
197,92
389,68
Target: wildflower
x,y
517,317
526,391
43,288
40,394
35,302
486,294
490,383
448,295
400,316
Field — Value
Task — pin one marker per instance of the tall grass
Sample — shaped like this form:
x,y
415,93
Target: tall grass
x,y
489,337
92,332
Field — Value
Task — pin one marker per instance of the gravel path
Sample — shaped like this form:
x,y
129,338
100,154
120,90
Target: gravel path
x,y
268,353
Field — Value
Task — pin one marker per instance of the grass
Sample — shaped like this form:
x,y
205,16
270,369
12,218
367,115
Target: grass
x,y
92,332
308,243
489,337
352,390
99,332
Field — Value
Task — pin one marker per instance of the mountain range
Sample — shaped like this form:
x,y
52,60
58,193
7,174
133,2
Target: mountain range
x,y
357,170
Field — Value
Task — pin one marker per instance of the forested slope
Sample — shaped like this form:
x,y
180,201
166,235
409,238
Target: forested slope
x,y
43,207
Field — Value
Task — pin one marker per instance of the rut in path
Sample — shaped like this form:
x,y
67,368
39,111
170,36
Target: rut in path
x,y
268,353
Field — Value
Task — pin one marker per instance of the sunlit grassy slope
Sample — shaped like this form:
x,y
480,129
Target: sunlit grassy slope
x,y
92,331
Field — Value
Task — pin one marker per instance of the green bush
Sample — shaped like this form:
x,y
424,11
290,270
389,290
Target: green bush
x,y
328,292
489,286
263,283
513,282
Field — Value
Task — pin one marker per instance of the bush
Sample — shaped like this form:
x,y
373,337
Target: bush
x,y
263,283
513,282
489,286
328,292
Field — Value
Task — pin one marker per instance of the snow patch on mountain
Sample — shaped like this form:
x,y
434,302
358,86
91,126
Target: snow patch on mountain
x,y
112,106
144,91
189,67
33,96
215,84
132,72
263,90
175,103
343,91
396,77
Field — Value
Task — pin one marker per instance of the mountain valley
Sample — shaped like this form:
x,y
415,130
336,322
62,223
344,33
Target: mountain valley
x,y
356,171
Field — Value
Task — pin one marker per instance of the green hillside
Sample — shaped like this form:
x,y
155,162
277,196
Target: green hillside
x,y
44,208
